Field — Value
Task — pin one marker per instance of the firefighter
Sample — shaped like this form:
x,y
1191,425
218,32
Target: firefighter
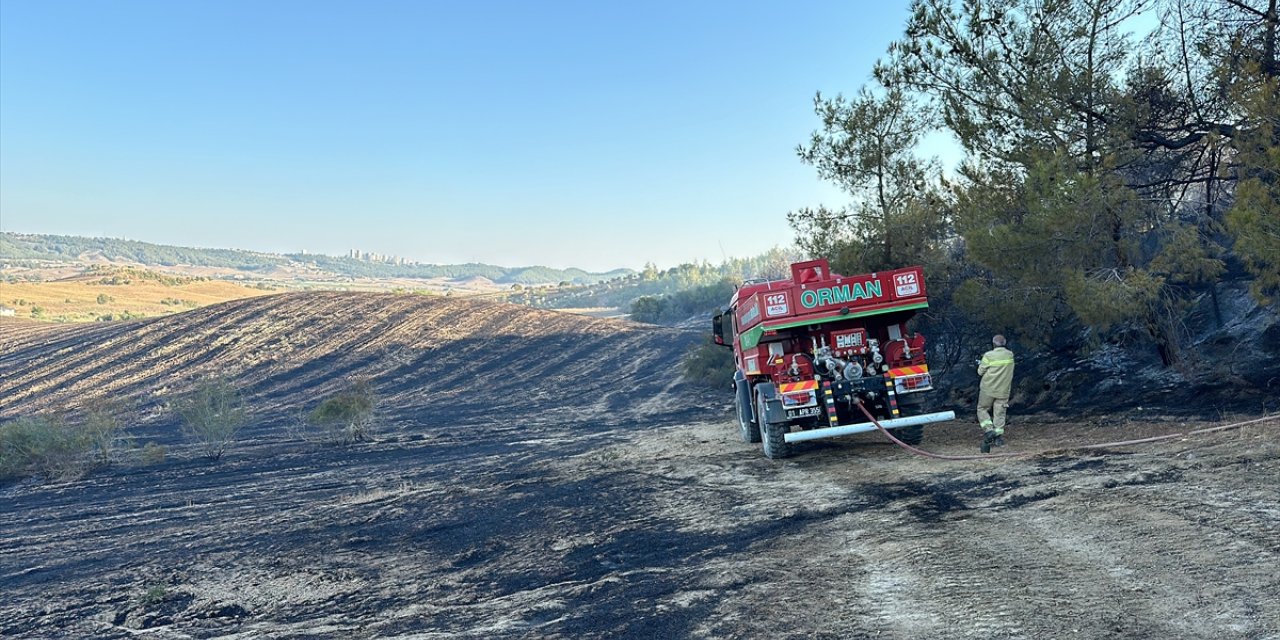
x,y
996,370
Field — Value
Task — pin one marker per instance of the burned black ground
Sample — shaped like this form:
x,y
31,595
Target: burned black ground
x,y
586,493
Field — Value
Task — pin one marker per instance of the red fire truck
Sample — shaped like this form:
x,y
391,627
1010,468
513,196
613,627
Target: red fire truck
x,y
811,348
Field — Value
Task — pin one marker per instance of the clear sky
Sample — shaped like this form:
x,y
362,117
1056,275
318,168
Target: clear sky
x,y
594,134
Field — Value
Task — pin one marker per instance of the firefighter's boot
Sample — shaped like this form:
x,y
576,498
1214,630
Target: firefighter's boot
x,y
999,439
988,439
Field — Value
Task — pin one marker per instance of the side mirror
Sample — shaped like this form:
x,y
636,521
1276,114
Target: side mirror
x,y
717,329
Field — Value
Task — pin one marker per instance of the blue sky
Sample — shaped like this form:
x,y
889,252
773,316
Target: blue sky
x,y
590,134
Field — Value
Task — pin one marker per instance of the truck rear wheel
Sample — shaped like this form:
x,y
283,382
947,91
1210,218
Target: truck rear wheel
x,y
747,425
911,404
910,435
771,433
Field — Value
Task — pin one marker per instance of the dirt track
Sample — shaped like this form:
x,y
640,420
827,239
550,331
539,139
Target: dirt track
x,y
564,516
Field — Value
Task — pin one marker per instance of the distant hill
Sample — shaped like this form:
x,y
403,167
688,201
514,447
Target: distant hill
x,y
22,247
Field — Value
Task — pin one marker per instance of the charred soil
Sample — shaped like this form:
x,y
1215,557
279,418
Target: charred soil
x,y
542,475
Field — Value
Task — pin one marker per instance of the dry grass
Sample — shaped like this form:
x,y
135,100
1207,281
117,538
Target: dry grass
x,y
78,299
379,494
595,312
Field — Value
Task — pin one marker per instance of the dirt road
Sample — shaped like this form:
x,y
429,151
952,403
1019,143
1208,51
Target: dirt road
x,y
642,516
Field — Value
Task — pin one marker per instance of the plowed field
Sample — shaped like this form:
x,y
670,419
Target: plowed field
x,y
544,475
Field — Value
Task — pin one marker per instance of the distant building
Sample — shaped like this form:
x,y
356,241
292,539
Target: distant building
x,y
8,311
383,258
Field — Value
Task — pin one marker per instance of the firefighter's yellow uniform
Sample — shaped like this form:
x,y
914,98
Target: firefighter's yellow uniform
x,y
996,370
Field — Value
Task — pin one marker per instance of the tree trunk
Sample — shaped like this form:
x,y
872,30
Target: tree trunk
x,y
1269,42
1217,309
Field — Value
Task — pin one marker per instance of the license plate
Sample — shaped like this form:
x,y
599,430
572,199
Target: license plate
x,y
807,412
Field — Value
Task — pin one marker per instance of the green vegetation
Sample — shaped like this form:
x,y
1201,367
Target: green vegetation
x,y
709,364
30,249
102,427
1254,218
49,445
112,275
1106,184
502,275
346,416
153,454
700,284
16,246
155,595
649,309
683,304
42,445
123,315
212,414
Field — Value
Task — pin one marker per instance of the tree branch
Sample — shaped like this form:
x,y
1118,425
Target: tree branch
x,y
1248,9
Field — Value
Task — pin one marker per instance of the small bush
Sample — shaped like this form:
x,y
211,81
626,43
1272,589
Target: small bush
x,y
43,445
154,595
49,446
346,416
709,364
103,428
649,309
153,454
212,414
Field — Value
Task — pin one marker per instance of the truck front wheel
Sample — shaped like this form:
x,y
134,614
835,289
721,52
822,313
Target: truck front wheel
x,y
771,433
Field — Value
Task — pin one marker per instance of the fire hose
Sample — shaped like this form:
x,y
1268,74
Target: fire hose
x,y
1027,454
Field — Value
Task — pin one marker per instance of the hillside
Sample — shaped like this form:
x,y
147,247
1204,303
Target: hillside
x,y
545,475
449,356
117,294
41,248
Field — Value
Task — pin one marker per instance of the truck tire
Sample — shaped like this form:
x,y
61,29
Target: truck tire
x,y
911,404
747,425
771,433
910,435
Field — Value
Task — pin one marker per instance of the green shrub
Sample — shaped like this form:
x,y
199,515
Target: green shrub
x,y
43,445
155,595
346,416
682,305
50,446
709,364
102,428
212,414
153,453
649,309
